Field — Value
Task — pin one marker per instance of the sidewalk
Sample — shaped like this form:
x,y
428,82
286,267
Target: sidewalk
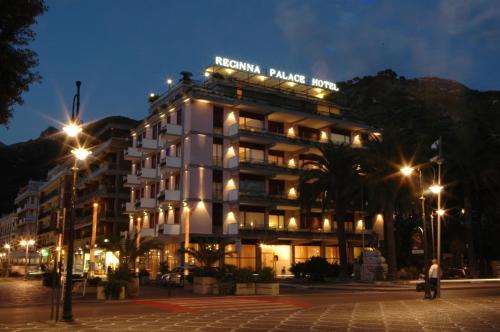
x,y
391,286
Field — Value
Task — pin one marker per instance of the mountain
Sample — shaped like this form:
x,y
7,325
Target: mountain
x,y
31,160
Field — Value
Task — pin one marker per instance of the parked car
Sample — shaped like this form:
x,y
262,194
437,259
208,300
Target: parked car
x,y
176,276
456,273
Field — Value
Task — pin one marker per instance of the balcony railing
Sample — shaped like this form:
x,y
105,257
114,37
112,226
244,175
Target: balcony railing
x,y
273,134
171,130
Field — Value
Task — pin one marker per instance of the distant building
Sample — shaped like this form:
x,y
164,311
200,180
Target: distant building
x,y
27,210
7,229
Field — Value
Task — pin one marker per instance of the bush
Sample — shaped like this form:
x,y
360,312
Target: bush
x,y
113,288
243,276
315,268
94,281
143,273
122,273
266,275
298,270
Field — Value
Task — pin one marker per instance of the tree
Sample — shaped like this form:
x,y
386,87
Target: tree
x,y
16,61
334,178
381,161
129,252
208,253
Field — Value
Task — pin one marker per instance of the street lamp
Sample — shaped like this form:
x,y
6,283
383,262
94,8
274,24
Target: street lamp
x,y
80,154
7,247
26,244
407,171
435,189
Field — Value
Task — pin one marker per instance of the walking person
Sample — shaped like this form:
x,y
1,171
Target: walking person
x,y
433,278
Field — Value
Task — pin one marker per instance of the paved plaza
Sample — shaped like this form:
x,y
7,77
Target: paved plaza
x,y
470,314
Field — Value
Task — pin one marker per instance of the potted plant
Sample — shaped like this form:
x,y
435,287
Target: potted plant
x,y
111,289
209,253
245,282
266,283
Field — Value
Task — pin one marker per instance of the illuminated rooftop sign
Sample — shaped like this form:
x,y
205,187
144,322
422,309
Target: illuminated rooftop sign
x,y
274,73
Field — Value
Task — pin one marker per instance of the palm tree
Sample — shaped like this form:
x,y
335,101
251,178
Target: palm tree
x,y
129,252
209,252
334,178
380,161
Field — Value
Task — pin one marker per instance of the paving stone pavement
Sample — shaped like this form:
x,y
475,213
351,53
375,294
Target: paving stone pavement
x,y
466,314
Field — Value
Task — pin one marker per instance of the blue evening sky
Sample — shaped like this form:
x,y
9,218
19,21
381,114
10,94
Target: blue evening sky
x,y
122,50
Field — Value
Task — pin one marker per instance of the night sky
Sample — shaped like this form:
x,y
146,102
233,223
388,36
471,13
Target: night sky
x,y
122,50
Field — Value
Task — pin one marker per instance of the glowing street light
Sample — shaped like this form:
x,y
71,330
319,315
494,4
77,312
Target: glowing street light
x,y
169,81
7,247
440,212
72,129
407,170
27,244
81,153
436,188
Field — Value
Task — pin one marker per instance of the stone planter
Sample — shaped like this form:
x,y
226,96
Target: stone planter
x,y
102,296
204,285
272,288
133,288
245,288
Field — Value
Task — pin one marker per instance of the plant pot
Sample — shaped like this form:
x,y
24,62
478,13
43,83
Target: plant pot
x,y
204,285
133,288
101,295
245,288
272,288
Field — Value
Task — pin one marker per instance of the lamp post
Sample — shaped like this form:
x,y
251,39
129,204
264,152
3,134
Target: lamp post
x,y
407,171
27,244
7,246
80,154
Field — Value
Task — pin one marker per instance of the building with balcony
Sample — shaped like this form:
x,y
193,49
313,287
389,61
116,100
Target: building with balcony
x,y
27,210
222,157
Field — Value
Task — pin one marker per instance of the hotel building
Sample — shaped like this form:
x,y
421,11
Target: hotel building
x,y
222,158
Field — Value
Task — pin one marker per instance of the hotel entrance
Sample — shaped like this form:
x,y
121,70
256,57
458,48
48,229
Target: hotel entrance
x,y
284,258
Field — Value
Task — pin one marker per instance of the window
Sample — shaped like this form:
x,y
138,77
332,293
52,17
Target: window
x,y
303,253
217,151
276,221
340,139
332,255
218,117
251,155
276,157
252,219
276,127
251,121
179,117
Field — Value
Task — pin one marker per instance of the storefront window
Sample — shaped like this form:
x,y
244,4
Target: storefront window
x,y
303,253
332,255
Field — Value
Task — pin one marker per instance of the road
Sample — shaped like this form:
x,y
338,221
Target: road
x,y
296,310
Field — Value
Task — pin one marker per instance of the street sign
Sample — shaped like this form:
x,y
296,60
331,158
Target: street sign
x,y
417,242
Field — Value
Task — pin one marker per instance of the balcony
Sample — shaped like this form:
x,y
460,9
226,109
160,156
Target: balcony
x,y
131,180
171,131
147,144
271,200
130,207
132,153
147,232
264,136
146,203
169,229
266,167
170,163
147,173
170,195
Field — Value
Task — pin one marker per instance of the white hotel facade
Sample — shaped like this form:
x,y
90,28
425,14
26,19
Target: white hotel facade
x,y
222,158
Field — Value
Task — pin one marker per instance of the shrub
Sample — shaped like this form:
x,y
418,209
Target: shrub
x,y
122,273
298,270
94,281
266,275
113,288
243,276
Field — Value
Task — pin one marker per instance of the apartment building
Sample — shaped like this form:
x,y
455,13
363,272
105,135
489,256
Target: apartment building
x,y
7,229
27,210
101,193
222,157
54,202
